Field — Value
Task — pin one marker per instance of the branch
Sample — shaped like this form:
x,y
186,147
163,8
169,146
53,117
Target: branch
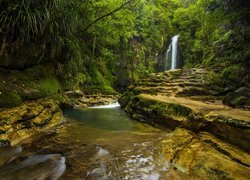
x,y
108,14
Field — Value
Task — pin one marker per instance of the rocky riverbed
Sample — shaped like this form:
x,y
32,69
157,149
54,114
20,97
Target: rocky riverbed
x,y
30,122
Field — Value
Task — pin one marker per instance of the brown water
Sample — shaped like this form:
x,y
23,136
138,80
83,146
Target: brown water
x,y
104,143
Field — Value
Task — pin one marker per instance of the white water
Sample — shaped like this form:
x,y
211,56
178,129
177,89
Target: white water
x,y
167,55
108,106
174,48
174,51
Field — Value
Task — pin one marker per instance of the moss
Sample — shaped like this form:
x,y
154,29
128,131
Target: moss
x,y
125,98
38,72
231,77
95,83
9,99
98,90
174,74
161,108
50,87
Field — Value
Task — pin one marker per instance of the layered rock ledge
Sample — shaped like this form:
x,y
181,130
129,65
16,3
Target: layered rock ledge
x,y
28,119
79,100
184,101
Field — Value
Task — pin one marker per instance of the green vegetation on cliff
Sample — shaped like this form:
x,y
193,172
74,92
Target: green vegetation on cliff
x,y
95,46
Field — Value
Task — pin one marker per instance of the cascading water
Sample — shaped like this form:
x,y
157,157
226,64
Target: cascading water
x,y
167,55
172,52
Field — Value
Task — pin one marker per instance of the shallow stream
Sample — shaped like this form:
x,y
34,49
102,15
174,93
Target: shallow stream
x,y
96,143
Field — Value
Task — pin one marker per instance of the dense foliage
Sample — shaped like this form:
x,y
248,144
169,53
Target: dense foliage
x,y
96,45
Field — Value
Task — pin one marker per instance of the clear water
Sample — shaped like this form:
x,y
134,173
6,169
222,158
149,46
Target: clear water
x,y
98,143
110,119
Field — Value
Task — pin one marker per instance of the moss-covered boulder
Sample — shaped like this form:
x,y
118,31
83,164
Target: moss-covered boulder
x,y
28,119
239,98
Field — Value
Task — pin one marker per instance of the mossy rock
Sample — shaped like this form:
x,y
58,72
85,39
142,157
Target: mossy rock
x,y
162,108
239,98
154,111
9,99
125,98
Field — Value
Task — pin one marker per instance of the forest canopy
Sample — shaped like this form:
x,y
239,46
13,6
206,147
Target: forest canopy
x,y
115,42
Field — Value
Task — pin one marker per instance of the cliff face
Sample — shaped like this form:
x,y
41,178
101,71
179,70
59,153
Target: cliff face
x,y
184,101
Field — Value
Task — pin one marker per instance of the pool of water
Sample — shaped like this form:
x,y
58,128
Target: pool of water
x,y
100,143
107,119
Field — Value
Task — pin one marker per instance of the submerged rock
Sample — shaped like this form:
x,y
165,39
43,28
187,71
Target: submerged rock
x,y
28,119
7,153
40,167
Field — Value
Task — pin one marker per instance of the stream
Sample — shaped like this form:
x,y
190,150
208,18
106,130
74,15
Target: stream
x,y
96,143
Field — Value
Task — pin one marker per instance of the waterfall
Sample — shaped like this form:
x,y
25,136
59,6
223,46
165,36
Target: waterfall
x,y
108,106
167,55
172,53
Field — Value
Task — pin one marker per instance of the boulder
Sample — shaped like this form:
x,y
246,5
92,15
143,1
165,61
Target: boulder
x,y
50,166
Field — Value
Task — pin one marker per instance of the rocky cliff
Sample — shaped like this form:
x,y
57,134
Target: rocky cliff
x,y
209,139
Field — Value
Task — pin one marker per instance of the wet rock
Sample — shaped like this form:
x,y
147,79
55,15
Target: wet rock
x,y
211,158
40,167
239,98
229,150
74,94
101,152
153,111
99,173
28,119
79,100
230,125
7,153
